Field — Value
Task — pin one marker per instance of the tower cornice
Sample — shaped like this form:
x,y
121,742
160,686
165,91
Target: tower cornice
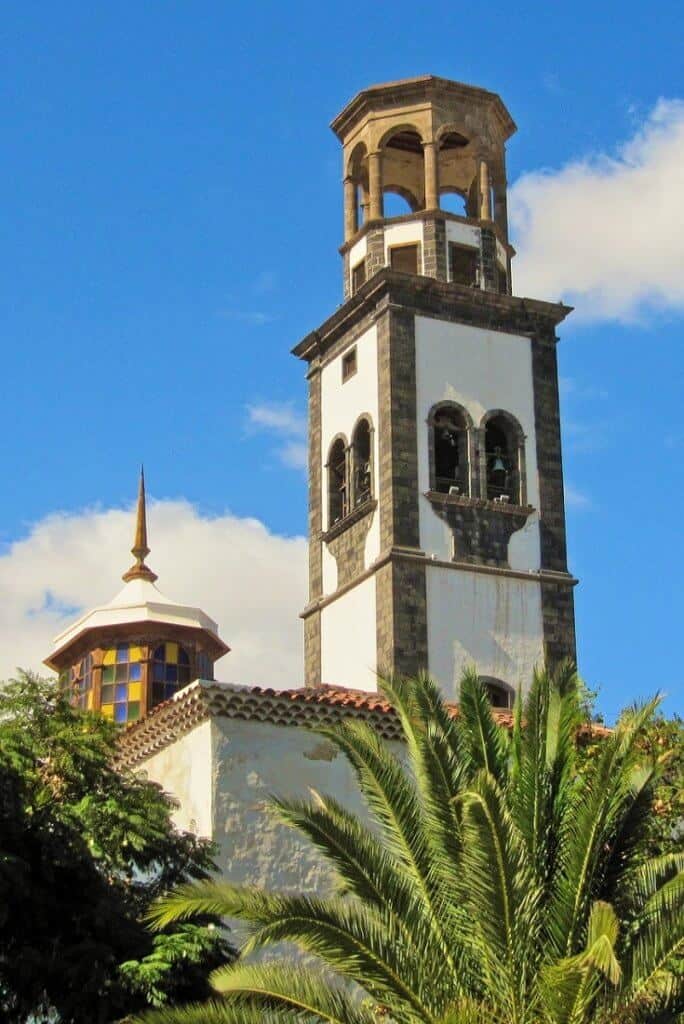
x,y
439,299
424,88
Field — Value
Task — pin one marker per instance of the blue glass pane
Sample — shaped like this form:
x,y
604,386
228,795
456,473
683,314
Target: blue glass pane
x,y
160,653
183,657
158,672
157,693
183,675
121,653
121,692
172,673
119,712
169,691
135,671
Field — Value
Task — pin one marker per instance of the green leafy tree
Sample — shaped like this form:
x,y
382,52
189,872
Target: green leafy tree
x,y
497,882
84,851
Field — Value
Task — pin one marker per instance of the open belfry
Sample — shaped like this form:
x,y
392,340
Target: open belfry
x,y
436,508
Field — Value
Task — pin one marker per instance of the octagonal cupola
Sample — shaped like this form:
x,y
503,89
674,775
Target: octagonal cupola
x,y
126,657
424,169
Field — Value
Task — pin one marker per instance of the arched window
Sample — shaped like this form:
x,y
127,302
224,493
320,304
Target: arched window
x,y
338,489
449,450
362,474
121,693
500,695
503,440
170,671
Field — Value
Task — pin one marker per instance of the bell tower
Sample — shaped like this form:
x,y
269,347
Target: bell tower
x,y
436,509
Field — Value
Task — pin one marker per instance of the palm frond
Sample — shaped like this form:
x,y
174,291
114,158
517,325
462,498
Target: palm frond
x,y
590,824
215,1012
483,742
499,890
308,995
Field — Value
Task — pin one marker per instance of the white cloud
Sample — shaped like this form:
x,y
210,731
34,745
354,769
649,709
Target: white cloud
x,y
283,420
574,498
607,232
251,581
252,317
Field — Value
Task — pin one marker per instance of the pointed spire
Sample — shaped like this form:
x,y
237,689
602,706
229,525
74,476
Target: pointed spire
x,y
140,550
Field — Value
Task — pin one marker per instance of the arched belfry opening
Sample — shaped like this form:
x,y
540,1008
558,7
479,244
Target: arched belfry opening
x,y
425,166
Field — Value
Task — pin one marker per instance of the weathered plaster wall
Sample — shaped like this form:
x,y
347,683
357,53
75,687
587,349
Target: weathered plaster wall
x,y
492,622
252,761
481,370
348,643
185,769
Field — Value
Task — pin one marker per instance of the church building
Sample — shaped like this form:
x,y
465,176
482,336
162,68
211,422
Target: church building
x,y
436,508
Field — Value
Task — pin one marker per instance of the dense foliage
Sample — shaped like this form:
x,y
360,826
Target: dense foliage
x,y
84,850
506,877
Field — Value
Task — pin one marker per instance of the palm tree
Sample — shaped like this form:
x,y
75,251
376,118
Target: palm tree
x,y
501,879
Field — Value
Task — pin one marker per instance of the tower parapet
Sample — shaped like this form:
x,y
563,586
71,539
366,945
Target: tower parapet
x,y
426,139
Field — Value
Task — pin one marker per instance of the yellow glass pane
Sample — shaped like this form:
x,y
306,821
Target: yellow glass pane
x,y
109,657
89,701
135,691
135,654
172,654
108,710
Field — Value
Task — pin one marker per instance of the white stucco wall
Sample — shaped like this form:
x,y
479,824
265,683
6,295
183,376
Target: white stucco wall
x,y
481,370
494,623
464,234
185,770
356,254
253,761
342,404
348,644
404,234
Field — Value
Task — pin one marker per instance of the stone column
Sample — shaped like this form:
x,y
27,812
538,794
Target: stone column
x,y
430,153
485,202
375,185
350,224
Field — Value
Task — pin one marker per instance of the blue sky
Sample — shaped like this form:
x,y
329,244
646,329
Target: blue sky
x,y
171,216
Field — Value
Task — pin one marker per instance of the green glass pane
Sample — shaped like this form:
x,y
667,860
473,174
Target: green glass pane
x,y
134,711
108,674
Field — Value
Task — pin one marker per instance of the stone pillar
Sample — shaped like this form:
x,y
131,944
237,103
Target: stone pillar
x,y
350,225
375,185
430,160
485,202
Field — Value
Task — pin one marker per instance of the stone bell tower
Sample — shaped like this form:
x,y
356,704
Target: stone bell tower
x,y
436,509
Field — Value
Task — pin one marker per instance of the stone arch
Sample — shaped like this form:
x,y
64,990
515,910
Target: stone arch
x,y
499,693
356,179
450,448
502,458
362,462
337,473
405,193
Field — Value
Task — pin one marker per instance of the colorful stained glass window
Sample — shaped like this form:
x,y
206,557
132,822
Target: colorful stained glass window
x,y
79,682
121,694
170,671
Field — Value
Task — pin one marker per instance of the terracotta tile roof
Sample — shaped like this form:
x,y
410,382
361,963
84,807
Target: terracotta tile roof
x,y
313,707
310,707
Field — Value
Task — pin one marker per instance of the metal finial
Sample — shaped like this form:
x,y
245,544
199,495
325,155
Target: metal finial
x,y
140,550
